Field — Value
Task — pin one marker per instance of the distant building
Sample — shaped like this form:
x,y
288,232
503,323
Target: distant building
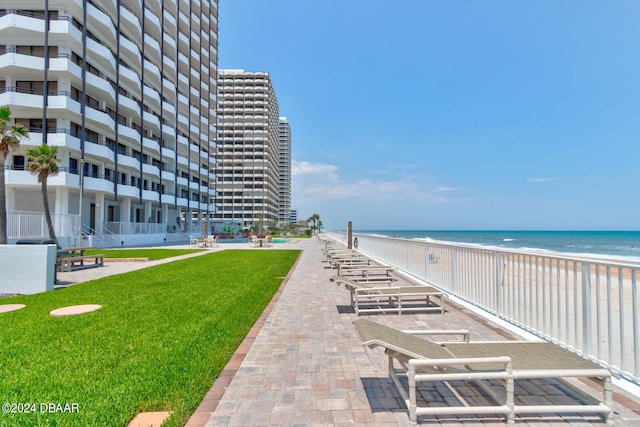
x,y
293,215
130,95
249,156
284,172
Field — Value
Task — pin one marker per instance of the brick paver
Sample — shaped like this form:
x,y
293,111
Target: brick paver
x,y
304,364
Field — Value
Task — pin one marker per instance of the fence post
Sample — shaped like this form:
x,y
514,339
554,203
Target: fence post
x,y
426,262
454,262
634,308
408,256
499,285
586,308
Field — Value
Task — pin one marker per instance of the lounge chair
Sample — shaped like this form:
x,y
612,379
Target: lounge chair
x,y
380,297
212,241
423,360
202,242
367,273
337,262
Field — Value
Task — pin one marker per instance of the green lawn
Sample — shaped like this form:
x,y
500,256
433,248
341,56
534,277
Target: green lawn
x,y
151,254
162,337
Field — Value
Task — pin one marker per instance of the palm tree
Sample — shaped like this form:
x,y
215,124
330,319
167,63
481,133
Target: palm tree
x,y
11,137
314,218
42,162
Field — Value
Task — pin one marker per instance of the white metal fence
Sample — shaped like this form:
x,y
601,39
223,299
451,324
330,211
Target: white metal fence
x,y
588,305
134,228
22,224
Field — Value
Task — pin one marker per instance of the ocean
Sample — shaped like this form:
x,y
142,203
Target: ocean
x,y
623,245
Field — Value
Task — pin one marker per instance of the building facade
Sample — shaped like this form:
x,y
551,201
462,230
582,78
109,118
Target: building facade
x,y
284,172
248,149
126,90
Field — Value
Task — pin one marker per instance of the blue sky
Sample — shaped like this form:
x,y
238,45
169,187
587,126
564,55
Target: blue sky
x,y
421,114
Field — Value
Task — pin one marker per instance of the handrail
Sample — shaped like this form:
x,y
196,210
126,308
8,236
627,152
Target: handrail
x,y
586,304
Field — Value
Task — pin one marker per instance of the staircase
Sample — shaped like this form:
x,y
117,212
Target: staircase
x,y
95,239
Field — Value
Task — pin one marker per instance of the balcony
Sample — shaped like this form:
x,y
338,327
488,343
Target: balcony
x,y
154,171
151,98
152,21
100,185
152,48
26,66
170,44
168,199
130,22
16,28
151,146
169,110
168,176
128,191
151,74
130,53
129,107
101,24
182,202
98,150
168,85
99,120
170,22
100,56
129,135
181,181
22,104
150,196
129,161
182,160
130,79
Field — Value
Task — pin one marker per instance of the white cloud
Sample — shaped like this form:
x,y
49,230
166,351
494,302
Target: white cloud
x,y
444,189
397,201
315,183
306,168
545,179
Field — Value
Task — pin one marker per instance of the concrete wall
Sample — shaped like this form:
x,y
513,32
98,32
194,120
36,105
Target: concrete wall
x,y
27,269
128,240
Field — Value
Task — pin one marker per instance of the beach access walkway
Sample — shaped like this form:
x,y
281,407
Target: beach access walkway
x,y
304,364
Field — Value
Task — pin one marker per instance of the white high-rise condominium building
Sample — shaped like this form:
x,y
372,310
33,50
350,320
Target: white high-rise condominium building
x,y
126,90
248,149
284,172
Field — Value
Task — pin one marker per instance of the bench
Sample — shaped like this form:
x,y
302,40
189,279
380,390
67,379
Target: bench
x,y
70,263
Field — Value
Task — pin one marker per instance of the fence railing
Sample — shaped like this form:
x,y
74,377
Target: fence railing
x,y
24,224
588,305
134,228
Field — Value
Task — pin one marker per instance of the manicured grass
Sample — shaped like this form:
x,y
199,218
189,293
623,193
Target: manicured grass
x,y
151,254
162,337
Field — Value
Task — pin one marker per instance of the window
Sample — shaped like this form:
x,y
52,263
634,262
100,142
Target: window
x,y
18,163
73,165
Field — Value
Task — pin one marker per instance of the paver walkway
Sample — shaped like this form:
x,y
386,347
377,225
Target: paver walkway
x,y
304,364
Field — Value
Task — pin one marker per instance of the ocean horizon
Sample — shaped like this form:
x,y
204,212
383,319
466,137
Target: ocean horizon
x,y
623,245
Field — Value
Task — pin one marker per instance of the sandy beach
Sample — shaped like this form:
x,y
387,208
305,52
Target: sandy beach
x,y
587,303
